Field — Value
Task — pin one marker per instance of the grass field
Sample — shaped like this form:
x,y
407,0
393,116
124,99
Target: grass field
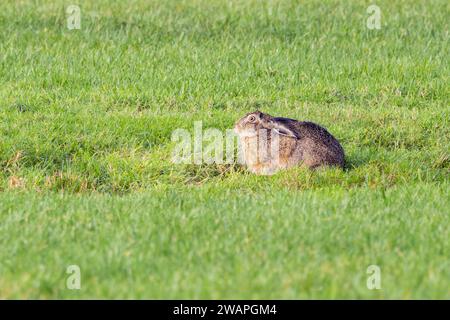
x,y
86,177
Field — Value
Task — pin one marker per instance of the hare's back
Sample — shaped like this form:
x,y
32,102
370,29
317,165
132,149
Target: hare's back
x,y
316,140
314,131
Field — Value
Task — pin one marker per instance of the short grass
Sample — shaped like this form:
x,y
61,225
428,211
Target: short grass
x,y
86,176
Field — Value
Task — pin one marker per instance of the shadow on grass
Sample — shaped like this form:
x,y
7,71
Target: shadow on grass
x,y
356,160
199,174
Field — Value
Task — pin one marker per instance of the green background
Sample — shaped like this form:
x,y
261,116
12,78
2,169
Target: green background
x,y
86,177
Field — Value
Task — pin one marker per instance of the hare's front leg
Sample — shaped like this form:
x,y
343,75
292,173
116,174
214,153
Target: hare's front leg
x,y
265,169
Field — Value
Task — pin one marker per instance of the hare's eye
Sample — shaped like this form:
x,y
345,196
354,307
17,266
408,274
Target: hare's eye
x,y
252,118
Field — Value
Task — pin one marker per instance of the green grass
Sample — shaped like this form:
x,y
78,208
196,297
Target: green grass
x,y
208,244
86,118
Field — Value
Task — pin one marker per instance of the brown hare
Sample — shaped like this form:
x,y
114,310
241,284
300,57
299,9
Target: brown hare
x,y
269,144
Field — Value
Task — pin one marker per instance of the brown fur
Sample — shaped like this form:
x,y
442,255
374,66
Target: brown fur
x,y
300,143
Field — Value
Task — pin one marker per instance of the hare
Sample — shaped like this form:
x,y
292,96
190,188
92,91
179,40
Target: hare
x,y
270,144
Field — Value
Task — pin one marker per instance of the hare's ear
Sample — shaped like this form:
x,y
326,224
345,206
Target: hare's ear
x,y
284,129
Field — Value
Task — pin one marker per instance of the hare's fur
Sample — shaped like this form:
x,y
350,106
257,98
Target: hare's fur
x,y
270,144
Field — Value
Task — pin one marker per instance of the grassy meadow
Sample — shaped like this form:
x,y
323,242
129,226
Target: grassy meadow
x,y
86,177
